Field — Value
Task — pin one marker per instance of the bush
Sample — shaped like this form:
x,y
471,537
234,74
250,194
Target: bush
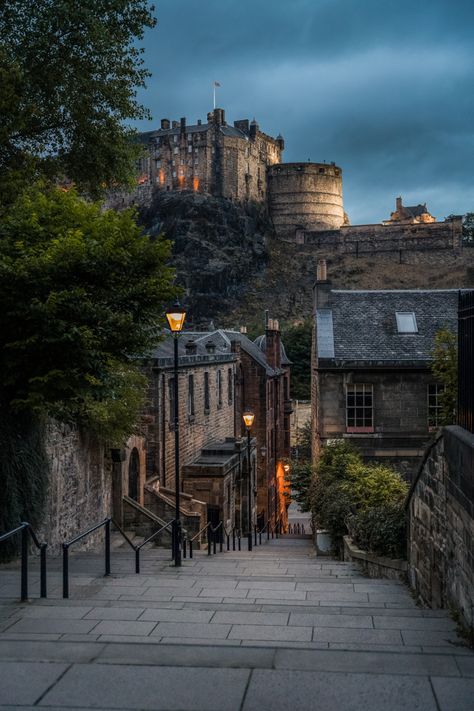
x,y
381,530
369,496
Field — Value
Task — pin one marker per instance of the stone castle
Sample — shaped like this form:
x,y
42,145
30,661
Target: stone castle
x,y
304,200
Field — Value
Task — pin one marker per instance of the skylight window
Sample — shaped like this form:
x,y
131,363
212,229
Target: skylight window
x,y
406,322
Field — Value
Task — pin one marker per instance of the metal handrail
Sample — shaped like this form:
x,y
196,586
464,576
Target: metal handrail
x,y
147,540
25,528
239,537
191,541
220,526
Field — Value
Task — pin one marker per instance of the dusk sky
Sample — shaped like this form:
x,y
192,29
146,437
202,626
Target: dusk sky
x,y
383,88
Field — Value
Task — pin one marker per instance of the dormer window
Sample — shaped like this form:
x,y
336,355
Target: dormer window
x,y
406,322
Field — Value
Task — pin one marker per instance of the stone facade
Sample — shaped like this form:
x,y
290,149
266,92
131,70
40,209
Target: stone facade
x,y
80,487
441,525
371,379
215,158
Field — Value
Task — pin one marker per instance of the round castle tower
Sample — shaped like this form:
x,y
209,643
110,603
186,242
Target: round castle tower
x,y
306,196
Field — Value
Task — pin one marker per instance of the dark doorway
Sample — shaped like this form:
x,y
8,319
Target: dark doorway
x,y
133,473
213,515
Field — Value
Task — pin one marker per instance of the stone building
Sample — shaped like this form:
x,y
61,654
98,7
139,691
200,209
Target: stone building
x,y
212,157
371,377
414,215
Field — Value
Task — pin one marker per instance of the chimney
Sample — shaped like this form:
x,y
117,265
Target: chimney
x,y
199,122
242,125
273,343
175,124
399,204
253,128
182,123
219,117
165,124
322,287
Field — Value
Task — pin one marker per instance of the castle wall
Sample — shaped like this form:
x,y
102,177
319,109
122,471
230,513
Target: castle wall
x,y
305,196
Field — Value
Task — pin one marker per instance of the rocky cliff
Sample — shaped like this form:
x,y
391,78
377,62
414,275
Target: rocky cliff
x,y
233,267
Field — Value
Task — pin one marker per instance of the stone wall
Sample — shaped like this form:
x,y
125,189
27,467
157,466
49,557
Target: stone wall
x,y
441,524
80,487
400,408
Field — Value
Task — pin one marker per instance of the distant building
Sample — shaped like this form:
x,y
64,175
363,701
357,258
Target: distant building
x,y
413,215
221,373
212,157
371,377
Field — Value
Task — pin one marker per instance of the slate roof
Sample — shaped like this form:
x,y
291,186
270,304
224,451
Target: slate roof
x,y
415,210
227,130
360,327
260,341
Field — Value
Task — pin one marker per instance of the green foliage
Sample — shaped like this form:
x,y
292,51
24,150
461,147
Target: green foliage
x,y
468,229
445,369
23,475
69,73
381,529
81,293
345,487
297,340
299,479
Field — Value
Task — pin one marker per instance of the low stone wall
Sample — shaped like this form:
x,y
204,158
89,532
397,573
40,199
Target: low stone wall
x,y
375,566
80,488
441,524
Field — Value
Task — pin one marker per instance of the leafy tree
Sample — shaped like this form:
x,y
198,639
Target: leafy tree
x,y
297,340
69,73
81,291
444,367
299,479
468,228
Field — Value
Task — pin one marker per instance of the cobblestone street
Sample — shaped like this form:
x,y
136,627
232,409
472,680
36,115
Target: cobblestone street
x,y
274,629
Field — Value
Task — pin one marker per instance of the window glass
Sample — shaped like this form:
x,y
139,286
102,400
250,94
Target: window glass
x,y
207,404
359,408
435,390
406,322
190,395
230,389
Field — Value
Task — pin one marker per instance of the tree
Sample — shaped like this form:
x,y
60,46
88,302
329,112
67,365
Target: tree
x,y
81,293
444,367
299,479
297,340
69,73
468,228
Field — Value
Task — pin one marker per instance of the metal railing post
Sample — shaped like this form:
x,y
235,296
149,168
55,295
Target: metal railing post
x,y
190,549
268,530
214,542
239,541
209,541
65,571
233,539
255,534
107,547
43,591
260,537
184,547
221,539
137,560
24,563
228,541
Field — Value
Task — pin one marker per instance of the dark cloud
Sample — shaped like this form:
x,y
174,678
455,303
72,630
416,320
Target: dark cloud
x,y
383,88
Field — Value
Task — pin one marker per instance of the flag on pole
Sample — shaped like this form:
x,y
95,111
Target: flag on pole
x,y
216,83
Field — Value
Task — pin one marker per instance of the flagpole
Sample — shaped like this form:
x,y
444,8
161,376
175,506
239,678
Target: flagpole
x,y
214,87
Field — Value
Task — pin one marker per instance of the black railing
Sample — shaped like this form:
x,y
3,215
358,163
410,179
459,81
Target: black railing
x,y
466,360
25,529
106,523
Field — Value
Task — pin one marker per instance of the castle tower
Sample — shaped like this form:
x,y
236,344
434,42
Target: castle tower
x,y
305,196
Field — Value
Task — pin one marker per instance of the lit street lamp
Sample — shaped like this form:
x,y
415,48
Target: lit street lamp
x,y
248,418
175,317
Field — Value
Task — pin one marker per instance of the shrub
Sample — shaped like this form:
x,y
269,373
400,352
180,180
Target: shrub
x,y
346,489
381,530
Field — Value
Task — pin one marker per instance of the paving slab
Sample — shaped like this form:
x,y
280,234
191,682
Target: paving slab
x,y
247,618
357,636
123,627
431,638
155,688
321,620
181,655
191,629
270,633
330,691
32,625
25,682
427,624
454,694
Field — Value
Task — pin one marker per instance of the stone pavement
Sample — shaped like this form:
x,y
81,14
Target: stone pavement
x,y
274,629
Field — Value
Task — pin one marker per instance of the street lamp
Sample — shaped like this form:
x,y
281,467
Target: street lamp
x,y
175,317
248,418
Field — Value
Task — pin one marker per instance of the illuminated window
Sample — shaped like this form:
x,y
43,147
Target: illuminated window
x,y
406,322
359,408
435,390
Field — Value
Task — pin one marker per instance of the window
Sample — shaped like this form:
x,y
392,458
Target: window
x,y
219,388
435,391
406,322
171,400
190,149
191,396
175,150
207,399
359,408
175,139
230,388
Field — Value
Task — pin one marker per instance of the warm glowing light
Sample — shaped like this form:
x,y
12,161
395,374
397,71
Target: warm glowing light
x,y
142,179
248,418
162,177
175,317
195,184
286,467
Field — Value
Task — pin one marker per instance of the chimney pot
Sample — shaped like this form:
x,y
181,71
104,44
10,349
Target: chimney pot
x,y
243,329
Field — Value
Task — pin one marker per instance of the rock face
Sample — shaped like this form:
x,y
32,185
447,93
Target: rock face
x,y
218,247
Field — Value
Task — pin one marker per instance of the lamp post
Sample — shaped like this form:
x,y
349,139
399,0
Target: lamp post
x,y
175,317
248,418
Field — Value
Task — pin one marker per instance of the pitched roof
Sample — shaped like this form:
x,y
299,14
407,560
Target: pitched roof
x,y
415,210
261,341
361,326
